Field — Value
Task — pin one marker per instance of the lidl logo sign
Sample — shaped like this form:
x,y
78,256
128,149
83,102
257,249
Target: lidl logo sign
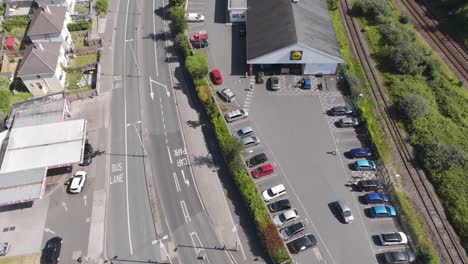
x,y
296,55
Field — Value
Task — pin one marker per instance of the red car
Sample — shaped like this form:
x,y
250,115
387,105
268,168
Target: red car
x,y
216,76
263,171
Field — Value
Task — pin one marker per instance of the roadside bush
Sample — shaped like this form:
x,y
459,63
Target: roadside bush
x,y
332,4
405,58
13,22
394,35
176,2
197,66
232,147
374,10
79,26
432,68
404,19
102,6
177,14
437,158
414,106
183,45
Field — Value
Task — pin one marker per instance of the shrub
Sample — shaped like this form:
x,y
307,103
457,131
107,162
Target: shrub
x,y
405,58
176,2
414,106
404,19
374,10
431,68
183,45
394,35
332,4
13,22
102,6
177,14
232,147
197,66
79,26
437,157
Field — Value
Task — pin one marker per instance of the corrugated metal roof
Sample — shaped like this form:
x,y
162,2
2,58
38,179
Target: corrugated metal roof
x,y
47,145
21,194
40,58
24,177
48,20
276,24
237,4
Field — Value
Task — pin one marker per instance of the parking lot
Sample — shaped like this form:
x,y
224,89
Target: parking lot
x,y
305,147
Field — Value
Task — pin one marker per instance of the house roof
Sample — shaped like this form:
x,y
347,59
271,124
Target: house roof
x,y
22,186
47,20
40,58
276,24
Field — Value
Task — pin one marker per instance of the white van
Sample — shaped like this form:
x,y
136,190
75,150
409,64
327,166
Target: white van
x,y
273,192
194,17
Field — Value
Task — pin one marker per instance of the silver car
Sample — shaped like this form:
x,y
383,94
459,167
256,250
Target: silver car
x,y
243,132
285,217
250,141
275,83
345,211
292,230
236,115
227,95
348,122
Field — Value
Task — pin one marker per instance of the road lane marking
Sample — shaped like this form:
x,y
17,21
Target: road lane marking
x,y
185,212
49,231
176,181
199,251
64,205
84,198
185,180
169,152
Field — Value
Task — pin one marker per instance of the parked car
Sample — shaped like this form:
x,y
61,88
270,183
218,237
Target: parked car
x,y
263,171
279,205
243,132
345,211
365,165
194,17
393,238
285,217
227,95
256,160
216,76
273,192
306,83
369,185
275,83
340,110
360,153
250,141
199,44
4,248
302,243
348,122
236,115
398,257
292,230
77,182
375,198
202,34
87,154
51,252
382,211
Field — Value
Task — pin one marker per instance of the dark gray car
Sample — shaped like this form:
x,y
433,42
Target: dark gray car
x,y
292,230
398,257
341,111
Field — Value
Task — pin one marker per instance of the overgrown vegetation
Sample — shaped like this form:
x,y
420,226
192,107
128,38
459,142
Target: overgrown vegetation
x,y
102,6
16,26
177,14
410,70
5,97
79,25
354,80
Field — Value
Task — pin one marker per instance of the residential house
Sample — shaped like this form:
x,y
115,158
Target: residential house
x,y
41,69
69,4
49,23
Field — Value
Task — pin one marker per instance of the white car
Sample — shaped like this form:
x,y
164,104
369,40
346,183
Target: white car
x,y
227,95
236,115
273,192
243,132
77,182
393,238
285,217
194,17
250,141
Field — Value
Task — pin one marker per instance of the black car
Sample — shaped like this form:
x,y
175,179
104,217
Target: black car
x,y
341,111
369,185
292,230
279,205
51,252
257,159
201,43
302,243
394,257
87,154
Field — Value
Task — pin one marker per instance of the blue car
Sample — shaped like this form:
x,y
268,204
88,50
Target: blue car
x,y
307,83
364,165
375,198
360,153
382,211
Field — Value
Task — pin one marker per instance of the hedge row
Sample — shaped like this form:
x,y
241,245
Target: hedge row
x,y
411,70
354,80
80,25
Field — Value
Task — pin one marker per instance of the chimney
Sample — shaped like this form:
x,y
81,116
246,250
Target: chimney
x,y
46,9
38,46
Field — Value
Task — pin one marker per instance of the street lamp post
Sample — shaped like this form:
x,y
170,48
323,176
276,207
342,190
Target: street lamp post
x,y
161,245
234,229
139,137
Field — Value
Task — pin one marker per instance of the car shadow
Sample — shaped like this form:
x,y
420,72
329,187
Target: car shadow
x,y
334,211
362,199
375,239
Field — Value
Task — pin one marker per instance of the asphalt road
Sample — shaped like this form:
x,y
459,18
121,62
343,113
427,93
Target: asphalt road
x,y
142,109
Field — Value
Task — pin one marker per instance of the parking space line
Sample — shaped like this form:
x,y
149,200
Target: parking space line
x,y
265,178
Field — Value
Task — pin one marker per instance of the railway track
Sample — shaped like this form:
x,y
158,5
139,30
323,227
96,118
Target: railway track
x,y
448,243
455,55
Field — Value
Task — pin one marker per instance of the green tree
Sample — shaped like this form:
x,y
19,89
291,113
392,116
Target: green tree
x,y
197,65
177,14
176,2
102,6
183,44
394,35
405,58
414,106
437,157
375,10
431,67
332,4
232,148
